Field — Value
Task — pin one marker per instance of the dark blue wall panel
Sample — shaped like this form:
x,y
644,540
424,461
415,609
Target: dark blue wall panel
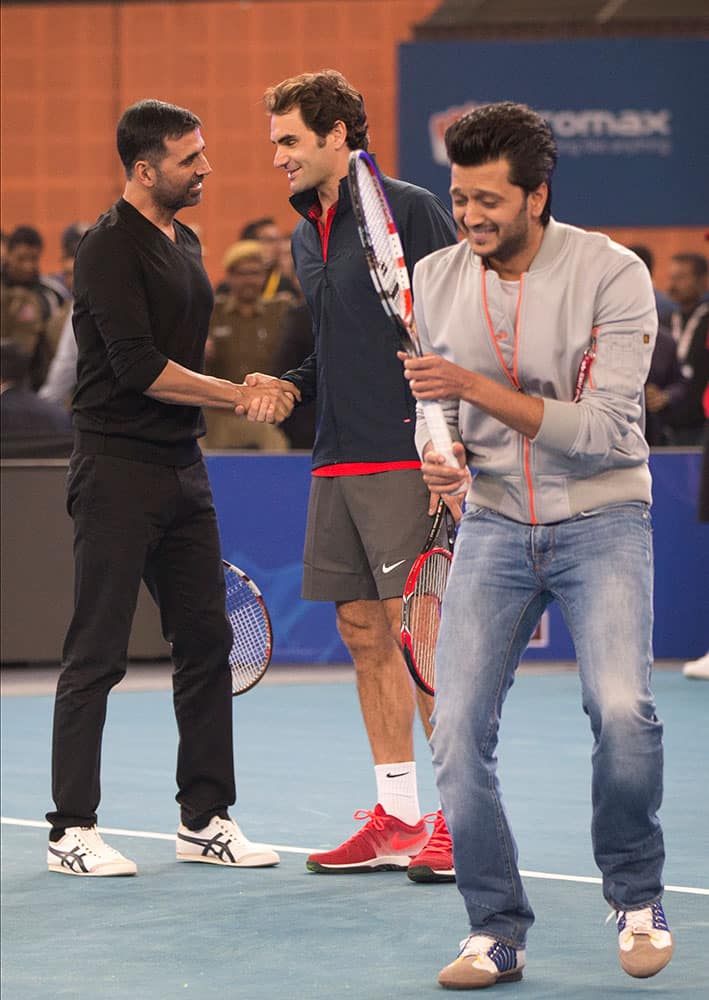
x,y
629,116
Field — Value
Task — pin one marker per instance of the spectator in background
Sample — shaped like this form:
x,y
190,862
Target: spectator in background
x,y
665,384
665,305
3,248
69,241
21,268
30,427
272,240
297,342
244,334
279,279
690,325
665,387
27,301
61,376
287,265
277,283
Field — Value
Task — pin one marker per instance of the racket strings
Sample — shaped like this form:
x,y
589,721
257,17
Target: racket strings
x,y
384,244
251,643
424,612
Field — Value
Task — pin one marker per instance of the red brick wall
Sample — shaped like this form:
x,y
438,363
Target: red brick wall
x,y
69,70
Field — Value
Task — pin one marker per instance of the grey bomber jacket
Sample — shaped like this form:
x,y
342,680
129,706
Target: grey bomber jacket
x,y
581,287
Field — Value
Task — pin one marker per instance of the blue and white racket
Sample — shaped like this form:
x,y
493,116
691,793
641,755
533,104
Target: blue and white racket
x,y
252,635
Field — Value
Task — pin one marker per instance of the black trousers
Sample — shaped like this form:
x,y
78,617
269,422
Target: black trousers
x,y
133,520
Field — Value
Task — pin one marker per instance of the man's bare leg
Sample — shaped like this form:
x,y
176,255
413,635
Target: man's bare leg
x,y
395,832
385,689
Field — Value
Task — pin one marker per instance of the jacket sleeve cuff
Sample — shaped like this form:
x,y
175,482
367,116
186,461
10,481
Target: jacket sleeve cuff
x,y
560,426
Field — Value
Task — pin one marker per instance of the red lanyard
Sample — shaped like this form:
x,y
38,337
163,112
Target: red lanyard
x,y
589,356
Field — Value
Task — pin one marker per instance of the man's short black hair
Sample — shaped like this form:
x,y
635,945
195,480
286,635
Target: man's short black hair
x,y
251,230
645,254
506,131
144,126
71,237
697,261
26,236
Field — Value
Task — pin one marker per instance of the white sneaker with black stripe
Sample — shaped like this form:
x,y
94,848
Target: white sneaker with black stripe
x,y
82,851
223,843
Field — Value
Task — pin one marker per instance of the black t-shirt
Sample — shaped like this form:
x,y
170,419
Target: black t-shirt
x,y
139,301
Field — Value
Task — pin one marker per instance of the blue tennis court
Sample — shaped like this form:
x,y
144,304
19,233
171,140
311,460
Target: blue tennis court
x,y
303,767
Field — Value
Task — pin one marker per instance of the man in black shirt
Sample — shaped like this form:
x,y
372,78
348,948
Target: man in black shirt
x,y
140,499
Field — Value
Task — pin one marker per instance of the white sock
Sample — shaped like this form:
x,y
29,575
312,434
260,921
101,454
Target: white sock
x,y
397,793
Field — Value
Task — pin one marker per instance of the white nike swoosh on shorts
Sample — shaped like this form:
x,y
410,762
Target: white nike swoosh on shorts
x,y
388,569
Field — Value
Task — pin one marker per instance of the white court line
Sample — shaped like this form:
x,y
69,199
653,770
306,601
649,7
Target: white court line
x,y
147,835
143,834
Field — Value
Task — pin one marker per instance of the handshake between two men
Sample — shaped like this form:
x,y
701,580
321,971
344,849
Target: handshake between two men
x,y
267,399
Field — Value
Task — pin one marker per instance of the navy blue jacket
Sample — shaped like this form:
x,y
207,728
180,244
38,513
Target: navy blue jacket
x,y
365,410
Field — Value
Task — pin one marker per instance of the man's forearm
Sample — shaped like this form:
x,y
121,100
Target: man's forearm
x,y
271,402
433,377
520,412
181,386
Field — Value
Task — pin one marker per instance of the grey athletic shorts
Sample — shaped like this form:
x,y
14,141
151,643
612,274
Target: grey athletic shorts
x,y
363,534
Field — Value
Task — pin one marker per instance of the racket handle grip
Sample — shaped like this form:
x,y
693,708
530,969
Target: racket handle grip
x,y
440,435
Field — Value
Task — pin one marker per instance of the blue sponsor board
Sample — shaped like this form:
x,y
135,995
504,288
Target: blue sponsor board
x,y
262,501
629,116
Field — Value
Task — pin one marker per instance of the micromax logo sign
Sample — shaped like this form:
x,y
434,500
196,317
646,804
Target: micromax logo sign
x,y
575,124
588,132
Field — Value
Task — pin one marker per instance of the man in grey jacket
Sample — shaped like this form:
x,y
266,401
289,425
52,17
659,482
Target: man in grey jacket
x,y
538,340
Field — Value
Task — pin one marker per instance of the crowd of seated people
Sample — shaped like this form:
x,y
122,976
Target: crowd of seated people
x,y
261,323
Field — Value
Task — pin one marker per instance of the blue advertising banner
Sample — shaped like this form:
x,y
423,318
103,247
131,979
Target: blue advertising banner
x,y
629,115
262,500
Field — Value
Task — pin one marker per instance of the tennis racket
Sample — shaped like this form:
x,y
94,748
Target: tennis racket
x,y
387,268
252,636
421,603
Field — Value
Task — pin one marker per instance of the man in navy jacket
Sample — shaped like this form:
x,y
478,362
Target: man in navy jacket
x,y
368,515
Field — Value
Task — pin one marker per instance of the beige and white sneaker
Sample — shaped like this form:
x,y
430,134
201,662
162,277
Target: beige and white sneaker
x,y
223,843
644,940
482,962
82,851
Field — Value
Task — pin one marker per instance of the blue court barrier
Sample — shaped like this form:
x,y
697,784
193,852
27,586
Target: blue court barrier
x,y
262,500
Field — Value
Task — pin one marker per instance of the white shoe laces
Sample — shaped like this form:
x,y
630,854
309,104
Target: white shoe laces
x,y
231,828
476,944
91,839
636,922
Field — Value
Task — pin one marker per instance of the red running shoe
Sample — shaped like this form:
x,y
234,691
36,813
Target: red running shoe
x,y
435,861
384,844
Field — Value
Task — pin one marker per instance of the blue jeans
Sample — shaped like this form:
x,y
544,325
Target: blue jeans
x,y
599,567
